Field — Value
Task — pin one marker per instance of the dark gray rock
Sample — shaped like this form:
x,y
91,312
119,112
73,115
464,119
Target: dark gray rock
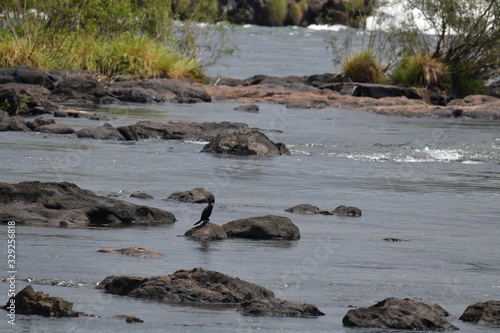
x,y
25,99
247,108
29,75
482,313
134,251
51,203
141,195
245,142
263,227
104,132
196,195
320,80
401,314
343,211
55,129
29,302
372,90
40,121
14,123
275,307
207,231
303,209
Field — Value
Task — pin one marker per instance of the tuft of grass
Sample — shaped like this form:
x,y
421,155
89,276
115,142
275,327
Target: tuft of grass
x,y
420,70
363,67
277,12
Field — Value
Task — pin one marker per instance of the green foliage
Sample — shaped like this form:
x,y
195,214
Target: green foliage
x,y
295,13
198,11
363,67
303,5
277,12
420,70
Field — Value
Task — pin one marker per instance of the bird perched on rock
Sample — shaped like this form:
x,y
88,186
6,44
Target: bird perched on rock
x,y
205,215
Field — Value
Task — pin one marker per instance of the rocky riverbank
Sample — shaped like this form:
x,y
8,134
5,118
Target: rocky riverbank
x,y
30,91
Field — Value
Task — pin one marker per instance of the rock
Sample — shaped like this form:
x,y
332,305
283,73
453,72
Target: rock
x,y
141,195
14,123
391,239
343,211
138,95
132,319
263,227
372,90
134,251
51,203
196,195
482,313
303,209
143,130
394,313
104,132
29,302
247,108
245,142
207,231
29,75
320,80
55,129
17,98
188,286
78,89
276,307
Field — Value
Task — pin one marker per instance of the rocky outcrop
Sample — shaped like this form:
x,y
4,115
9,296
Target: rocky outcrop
x,y
207,231
263,227
134,251
200,286
371,90
303,209
245,142
343,211
401,314
35,202
482,313
196,195
276,307
104,132
29,302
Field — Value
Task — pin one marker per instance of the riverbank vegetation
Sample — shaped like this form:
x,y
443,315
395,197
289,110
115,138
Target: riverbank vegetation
x,y
449,45
129,37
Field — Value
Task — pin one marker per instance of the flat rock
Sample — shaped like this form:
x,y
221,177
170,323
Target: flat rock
x,y
303,209
104,132
36,202
482,313
29,302
247,108
403,314
245,142
196,195
207,231
134,251
343,211
263,227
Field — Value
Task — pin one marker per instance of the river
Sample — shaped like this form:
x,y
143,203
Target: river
x,y
432,182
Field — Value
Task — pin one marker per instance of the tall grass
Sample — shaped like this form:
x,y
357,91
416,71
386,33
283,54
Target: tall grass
x,y
363,67
420,70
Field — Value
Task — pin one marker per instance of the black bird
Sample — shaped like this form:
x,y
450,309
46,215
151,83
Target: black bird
x,y
205,215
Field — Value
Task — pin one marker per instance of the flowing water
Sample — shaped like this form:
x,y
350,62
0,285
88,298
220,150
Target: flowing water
x,y
432,182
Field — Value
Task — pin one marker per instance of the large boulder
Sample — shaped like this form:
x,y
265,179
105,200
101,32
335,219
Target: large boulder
x,y
245,142
18,98
29,302
29,75
143,130
14,123
55,203
482,313
196,195
200,286
343,211
263,227
303,209
104,132
207,231
401,314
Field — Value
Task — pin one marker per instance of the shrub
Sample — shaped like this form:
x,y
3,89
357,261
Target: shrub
x,y
296,13
363,67
420,70
277,12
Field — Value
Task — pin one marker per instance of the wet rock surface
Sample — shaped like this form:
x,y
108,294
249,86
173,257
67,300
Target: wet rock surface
x,y
207,231
263,227
200,286
196,195
134,251
343,211
403,314
482,313
245,142
36,202
29,302
303,209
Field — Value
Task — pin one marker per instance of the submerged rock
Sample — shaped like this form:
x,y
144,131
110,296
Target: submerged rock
x,y
343,211
263,227
134,251
207,231
394,313
245,142
196,195
52,203
29,302
200,286
482,313
303,209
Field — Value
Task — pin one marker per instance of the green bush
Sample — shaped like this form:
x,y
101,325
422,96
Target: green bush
x,y
363,67
295,13
277,12
420,70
